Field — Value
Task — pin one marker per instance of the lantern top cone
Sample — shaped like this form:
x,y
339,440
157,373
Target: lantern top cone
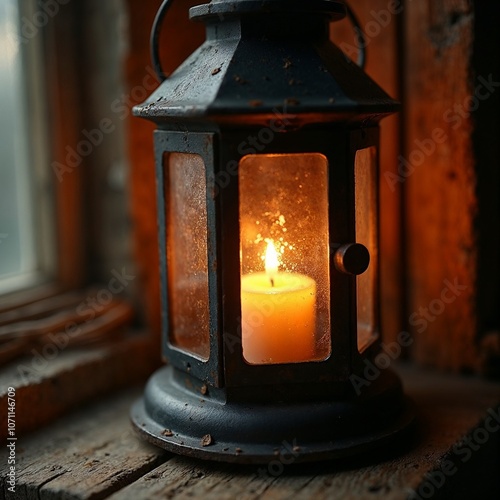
x,y
260,56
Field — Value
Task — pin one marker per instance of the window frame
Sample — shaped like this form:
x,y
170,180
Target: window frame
x,y
69,259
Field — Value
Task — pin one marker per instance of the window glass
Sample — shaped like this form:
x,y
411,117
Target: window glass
x,y
187,253
17,255
366,234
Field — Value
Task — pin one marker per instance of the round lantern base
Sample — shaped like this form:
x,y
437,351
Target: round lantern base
x,y
186,422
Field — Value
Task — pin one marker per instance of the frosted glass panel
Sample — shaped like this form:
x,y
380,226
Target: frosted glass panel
x,y
187,253
285,281
366,233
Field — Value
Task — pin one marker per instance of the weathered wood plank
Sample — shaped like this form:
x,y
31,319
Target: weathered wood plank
x,y
94,453
89,455
51,381
449,409
64,92
440,179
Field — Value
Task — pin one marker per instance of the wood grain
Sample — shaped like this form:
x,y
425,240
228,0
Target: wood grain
x,y
66,124
94,453
449,408
86,457
49,382
440,184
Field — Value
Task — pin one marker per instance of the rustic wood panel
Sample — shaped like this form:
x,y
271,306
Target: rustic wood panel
x,y
94,453
381,20
48,383
66,124
89,456
109,236
142,176
440,183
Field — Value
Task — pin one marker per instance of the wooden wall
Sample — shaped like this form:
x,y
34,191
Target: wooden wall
x,y
445,225
441,202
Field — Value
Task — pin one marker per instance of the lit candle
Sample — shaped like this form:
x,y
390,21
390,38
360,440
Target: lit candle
x,y
278,314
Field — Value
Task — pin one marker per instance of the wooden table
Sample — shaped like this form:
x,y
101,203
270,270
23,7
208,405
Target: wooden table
x,y
93,453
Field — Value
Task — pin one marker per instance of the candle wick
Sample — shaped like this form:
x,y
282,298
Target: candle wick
x,y
272,282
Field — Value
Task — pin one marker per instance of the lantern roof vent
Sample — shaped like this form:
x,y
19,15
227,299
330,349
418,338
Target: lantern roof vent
x,y
266,55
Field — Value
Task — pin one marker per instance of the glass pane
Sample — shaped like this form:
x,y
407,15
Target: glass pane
x,y
17,254
366,233
187,253
285,280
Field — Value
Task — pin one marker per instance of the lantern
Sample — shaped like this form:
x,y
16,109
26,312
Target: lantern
x,y
267,171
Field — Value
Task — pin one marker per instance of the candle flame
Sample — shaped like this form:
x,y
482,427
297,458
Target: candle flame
x,y
271,260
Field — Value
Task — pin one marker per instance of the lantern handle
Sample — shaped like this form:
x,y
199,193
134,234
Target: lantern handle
x,y
361,62
155,38
162,11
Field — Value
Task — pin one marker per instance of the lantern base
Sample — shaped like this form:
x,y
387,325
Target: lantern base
x,y
183,421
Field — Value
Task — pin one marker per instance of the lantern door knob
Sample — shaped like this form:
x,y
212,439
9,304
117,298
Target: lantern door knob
x,y
352,258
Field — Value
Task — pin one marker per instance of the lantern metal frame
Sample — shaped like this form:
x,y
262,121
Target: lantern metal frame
x,y
249,410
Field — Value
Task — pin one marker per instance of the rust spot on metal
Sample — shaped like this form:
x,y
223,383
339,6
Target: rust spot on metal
x,y
204,389
206,440
167,432
215,71
255,103
287,63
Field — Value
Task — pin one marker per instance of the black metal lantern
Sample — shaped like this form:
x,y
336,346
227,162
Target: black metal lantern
x,y
267,173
